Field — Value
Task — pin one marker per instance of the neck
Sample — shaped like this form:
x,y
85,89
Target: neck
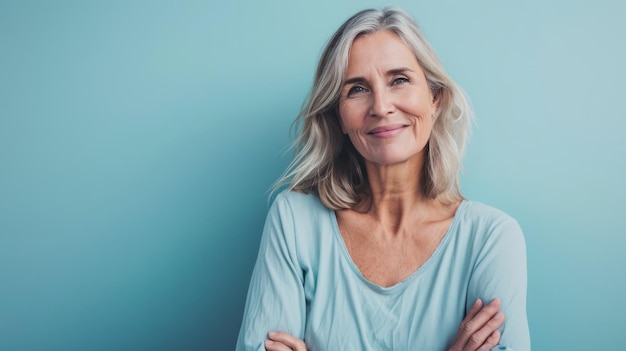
x,y
395,194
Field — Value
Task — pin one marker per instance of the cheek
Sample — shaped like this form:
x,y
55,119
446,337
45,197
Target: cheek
x,y
341,124
348,118
428,131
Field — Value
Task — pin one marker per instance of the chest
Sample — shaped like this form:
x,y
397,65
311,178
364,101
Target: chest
x,y
424,310
386,259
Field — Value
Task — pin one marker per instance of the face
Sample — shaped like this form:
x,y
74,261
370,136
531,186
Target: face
x,y
386,106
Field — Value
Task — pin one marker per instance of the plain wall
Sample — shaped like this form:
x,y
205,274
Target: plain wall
x,y
138,140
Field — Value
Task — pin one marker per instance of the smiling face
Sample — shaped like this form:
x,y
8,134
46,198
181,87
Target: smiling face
x,y
386,106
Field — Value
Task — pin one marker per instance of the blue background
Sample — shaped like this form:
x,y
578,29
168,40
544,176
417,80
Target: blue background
x,y
138,140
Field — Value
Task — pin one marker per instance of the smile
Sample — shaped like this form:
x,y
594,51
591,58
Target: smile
x,y
387,131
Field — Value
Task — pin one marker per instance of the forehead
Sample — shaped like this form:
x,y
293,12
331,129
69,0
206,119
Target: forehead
x,y
380,50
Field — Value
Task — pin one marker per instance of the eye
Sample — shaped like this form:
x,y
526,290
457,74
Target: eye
x,y
400,80
356,90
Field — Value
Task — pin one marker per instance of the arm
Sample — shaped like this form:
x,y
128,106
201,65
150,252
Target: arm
x,y
500,272
276,295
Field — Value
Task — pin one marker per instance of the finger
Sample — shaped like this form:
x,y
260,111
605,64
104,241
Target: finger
x,y
480,337
287,339
494,338
461,336
276,346
486,347
479,319
474,310
476,317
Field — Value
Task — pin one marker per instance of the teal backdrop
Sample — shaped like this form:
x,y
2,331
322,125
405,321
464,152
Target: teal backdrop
x,y
138,140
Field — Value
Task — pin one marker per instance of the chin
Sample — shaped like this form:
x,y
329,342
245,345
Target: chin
x,y
397,157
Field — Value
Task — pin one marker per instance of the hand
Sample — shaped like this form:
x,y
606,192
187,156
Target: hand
x,y
479,330
281,341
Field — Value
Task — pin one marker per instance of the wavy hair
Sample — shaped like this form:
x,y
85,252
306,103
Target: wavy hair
x,y
325,161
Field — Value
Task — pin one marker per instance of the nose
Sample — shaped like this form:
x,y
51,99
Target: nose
x,y
382,104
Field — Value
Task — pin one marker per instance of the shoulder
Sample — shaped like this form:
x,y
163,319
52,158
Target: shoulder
x,y
297,199
303,211
487,223
478,214
306,224
297,203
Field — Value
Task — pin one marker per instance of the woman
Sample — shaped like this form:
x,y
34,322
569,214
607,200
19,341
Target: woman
x,y
373,246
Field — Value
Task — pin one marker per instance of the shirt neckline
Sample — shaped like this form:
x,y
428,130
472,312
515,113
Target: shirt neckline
x,y
419,271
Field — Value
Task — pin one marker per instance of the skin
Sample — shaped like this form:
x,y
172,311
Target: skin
x,y
386,108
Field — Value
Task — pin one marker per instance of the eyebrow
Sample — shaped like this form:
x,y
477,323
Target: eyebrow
x,y
390,72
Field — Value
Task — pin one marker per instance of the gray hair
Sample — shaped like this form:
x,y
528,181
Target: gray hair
x,y
327,164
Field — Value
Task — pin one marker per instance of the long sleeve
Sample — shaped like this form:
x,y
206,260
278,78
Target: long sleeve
x,y
500,271
275,298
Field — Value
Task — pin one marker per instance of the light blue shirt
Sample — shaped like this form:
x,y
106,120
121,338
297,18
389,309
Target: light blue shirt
x,y
305,283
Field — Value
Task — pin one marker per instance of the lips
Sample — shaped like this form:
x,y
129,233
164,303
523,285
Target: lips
x,y
387,131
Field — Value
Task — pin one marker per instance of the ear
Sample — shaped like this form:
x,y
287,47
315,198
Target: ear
x,y
436,96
